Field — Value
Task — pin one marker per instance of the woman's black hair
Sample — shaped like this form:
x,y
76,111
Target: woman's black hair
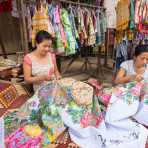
x,y
43,35
140,49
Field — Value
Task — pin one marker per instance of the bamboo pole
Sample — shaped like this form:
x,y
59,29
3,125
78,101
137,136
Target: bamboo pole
x,y
71,2
81,4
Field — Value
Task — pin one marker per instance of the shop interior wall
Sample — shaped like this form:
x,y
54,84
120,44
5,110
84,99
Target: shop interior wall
x,y
10,33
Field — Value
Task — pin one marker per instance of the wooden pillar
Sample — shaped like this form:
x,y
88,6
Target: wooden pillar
x,y
23,25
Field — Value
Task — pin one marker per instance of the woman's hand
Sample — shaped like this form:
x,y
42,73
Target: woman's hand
x,y
58,77
141,71
138,78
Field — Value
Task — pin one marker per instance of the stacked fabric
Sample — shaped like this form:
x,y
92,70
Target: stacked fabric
x,y
116,127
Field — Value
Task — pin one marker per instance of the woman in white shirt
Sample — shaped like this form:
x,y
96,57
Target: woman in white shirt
x,y
136,69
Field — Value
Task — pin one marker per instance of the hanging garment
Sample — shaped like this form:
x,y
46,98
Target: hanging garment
x,y
103,26
98,34
137,5
130,35
98,2
119,36
71,41
132,13
145,12
73,23
81,26
141,15
121,51
121,55
15,12
57,21
91,35
5,5
94,18
123,14
74,30
60,42
110,6
41,21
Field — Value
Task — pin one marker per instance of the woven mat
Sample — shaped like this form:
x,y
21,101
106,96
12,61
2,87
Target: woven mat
x,y
21,96
16,104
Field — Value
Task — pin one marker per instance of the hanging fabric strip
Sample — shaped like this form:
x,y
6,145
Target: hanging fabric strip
x,y
41,21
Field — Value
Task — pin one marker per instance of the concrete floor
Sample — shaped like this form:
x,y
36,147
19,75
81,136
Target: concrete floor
x,y
78,73
75,71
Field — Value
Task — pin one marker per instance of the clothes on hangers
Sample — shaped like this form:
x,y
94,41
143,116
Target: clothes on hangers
x,y
121,54
94,18
91,36
60,42
98,34
141,15
110,6
73,23
14,12
132,13
71,41
69,26
123,14
81,26
41,21
103,26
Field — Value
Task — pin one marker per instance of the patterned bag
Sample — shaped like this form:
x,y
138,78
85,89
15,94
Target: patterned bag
x,y
8,94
